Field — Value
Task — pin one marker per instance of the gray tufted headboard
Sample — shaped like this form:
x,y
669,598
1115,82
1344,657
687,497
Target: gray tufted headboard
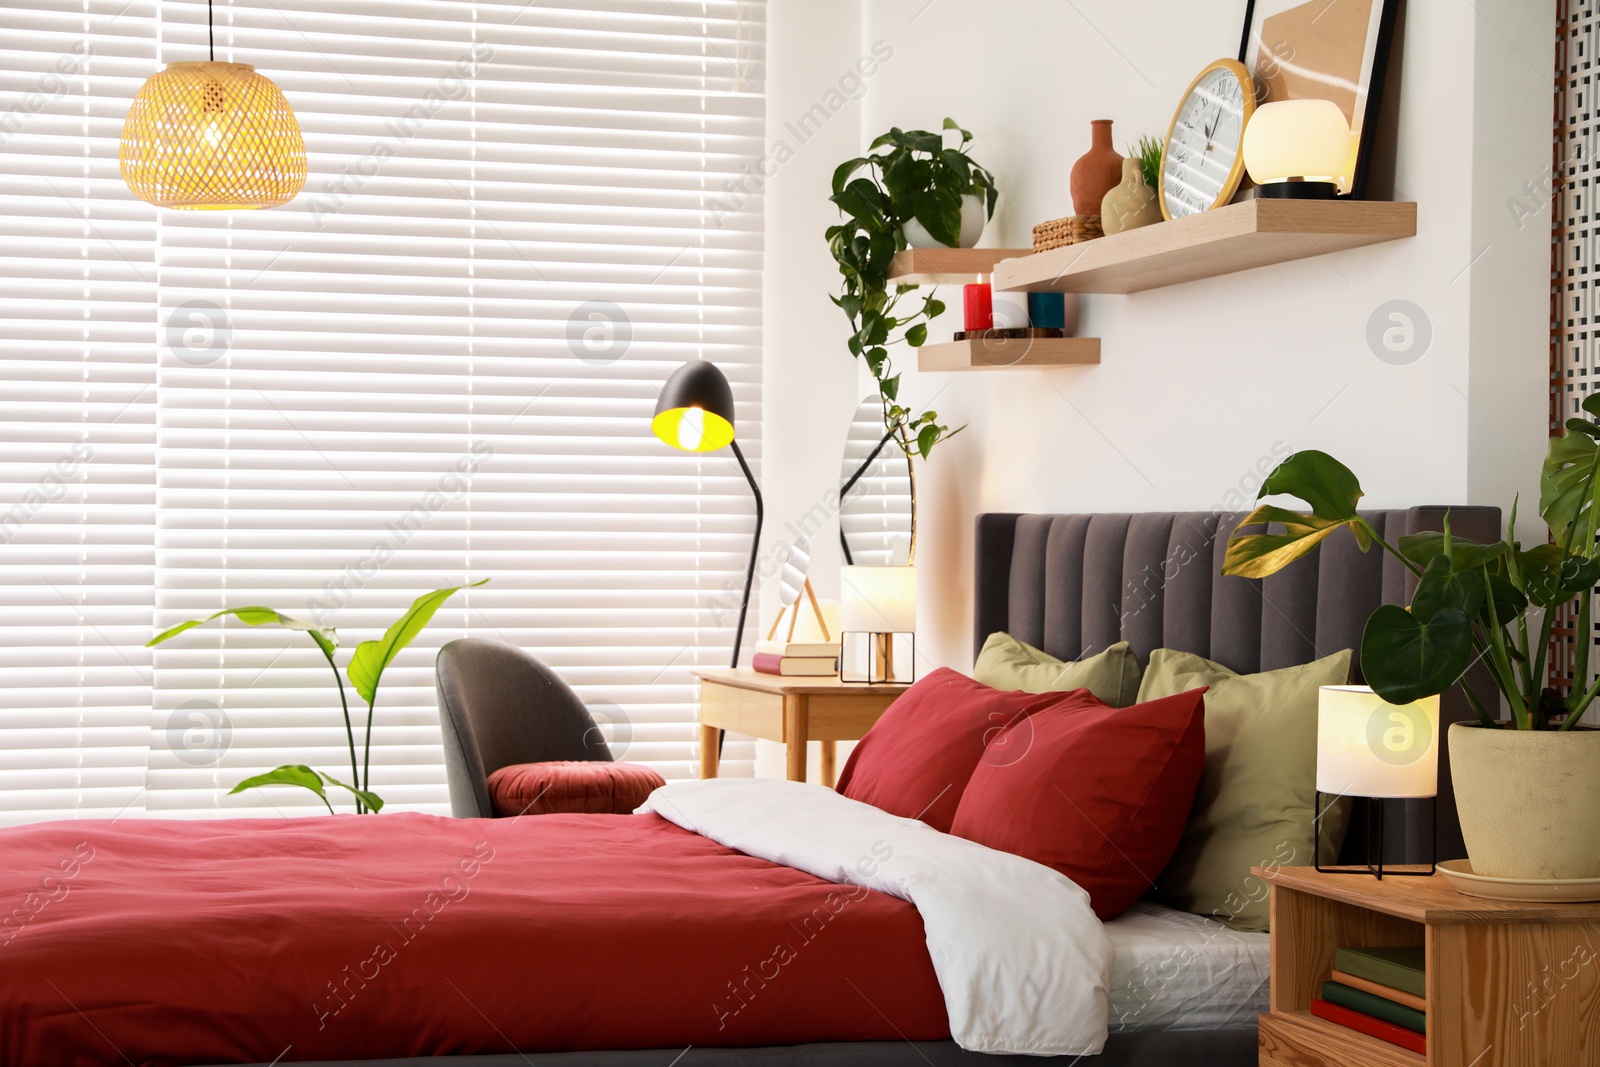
x,y
1073,584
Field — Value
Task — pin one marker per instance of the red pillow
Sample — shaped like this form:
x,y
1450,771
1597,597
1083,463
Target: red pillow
x,y
572,785
1101,794
916,759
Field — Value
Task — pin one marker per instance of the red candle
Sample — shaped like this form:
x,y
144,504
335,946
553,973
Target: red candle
x,y
977,307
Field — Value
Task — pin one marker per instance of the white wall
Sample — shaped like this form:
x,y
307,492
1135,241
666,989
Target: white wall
x,y
1200,383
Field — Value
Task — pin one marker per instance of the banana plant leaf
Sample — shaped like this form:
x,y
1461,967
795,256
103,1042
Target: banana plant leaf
x,y
298,774
324,636
371,657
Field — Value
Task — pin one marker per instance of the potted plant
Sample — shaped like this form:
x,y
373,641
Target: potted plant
x,y
1528,787
915,186
365,670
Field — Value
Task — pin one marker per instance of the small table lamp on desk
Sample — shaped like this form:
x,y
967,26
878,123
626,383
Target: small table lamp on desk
x,y
878,614
1367,747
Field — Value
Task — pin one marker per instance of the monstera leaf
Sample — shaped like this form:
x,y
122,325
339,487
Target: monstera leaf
x,y
1569,492
1405,659
371,657
1328,488
298,774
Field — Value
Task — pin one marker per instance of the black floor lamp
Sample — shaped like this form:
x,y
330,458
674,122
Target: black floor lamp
x,y
695,413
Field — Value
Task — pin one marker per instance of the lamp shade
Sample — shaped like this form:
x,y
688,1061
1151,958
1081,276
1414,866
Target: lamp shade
x,y
212,135
695,412
880,600
1367,747
1299,139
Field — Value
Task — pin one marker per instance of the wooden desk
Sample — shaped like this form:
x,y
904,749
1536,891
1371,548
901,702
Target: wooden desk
x,y
1509,984
790,710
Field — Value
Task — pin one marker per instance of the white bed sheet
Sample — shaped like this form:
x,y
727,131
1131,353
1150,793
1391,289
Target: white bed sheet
x,y
1177,971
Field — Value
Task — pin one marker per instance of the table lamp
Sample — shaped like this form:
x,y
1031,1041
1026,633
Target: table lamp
x,y
695,413
877,612
1297,149
1367,747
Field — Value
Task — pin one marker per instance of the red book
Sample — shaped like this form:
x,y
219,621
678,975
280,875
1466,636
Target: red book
x,y
795,666
1355,1020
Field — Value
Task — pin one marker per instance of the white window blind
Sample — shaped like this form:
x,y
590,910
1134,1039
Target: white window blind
x,y
436,365
77,422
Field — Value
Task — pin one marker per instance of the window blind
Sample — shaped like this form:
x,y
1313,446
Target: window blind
x,y
438,365
77,428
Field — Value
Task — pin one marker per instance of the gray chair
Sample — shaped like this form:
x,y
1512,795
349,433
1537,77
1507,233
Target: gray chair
x,y
500,706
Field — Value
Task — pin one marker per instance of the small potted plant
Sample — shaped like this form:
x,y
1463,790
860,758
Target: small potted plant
x,y
1527,787
916,192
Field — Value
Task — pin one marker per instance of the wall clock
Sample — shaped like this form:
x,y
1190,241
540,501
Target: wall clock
x,y
1201,164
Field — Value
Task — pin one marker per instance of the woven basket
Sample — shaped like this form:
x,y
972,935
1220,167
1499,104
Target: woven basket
x,y
212,135
1058,233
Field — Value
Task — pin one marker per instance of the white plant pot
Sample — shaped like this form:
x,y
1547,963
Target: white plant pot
x,y
1529,800
973,219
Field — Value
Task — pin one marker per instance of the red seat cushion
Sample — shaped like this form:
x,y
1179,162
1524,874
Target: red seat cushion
x,y
916,759
1101,794
571,785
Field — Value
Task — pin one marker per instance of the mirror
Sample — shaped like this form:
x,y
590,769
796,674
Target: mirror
x,y
876,498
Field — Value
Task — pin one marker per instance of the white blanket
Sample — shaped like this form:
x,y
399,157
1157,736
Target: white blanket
x,y
1022,960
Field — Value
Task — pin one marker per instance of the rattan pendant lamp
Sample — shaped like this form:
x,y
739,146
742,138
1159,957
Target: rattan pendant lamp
x,y
212,136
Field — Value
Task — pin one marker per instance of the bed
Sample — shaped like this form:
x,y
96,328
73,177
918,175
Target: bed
x,y
618,940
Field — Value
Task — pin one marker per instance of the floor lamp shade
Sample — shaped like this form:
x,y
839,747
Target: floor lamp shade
x,y
209,136
695,412
1367,747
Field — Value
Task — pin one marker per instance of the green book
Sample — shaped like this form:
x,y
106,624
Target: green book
x,y
1398,968
1375,1006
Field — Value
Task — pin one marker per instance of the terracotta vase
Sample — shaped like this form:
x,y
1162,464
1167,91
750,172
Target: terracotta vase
x,y
1131,203
1096,171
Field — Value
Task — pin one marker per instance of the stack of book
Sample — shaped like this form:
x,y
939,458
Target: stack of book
x,y
1378,991
797,659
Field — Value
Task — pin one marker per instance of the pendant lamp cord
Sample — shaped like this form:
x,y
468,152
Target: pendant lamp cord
x,y
211,30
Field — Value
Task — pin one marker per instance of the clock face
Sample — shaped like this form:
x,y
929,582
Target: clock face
x,y
1201,166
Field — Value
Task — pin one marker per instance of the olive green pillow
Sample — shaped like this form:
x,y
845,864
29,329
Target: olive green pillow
x,y
1006,663
1256,796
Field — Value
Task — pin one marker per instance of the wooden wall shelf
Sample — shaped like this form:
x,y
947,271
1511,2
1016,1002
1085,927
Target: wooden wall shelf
x,y
1019,354
1254,233
948,266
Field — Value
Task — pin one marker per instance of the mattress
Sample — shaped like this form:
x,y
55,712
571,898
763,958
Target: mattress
x,y
1177,971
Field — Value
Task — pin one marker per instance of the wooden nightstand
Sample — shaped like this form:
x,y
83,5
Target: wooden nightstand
x,y
790,710
1509,984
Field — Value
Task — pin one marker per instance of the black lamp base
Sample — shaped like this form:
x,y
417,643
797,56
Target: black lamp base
x,y
1297,189
1373,866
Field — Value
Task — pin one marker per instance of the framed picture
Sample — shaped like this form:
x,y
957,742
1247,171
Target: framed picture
x,y
1323,49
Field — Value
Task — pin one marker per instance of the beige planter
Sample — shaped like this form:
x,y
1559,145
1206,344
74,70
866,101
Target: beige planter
x,y
1529,800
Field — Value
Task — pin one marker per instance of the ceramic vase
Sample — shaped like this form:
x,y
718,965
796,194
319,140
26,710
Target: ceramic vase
x,y
1096,171
1131,203
1529,800
974,215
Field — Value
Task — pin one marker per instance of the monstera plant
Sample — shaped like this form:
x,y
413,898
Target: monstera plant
x,y
1473,601
365,671
1527,788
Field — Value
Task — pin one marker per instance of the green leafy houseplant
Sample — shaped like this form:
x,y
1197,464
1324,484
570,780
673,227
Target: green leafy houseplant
x,y
1148,152
917,177
365,671
1495,602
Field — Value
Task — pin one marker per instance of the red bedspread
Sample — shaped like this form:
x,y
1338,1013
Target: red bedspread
x,y
410,935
